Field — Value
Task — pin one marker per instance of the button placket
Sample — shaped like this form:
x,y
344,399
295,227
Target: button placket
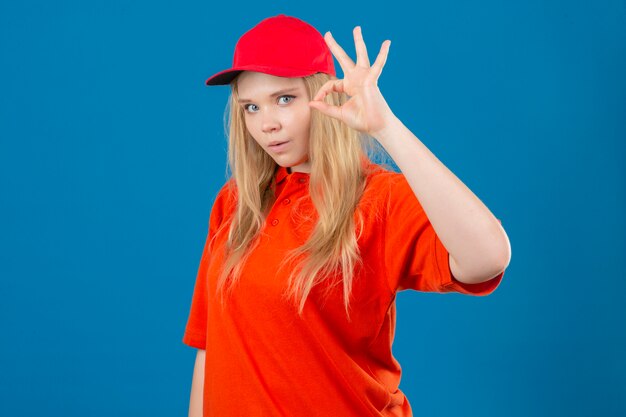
x,y
301,180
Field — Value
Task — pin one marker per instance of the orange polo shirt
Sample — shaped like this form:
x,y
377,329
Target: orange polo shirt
x,y
262,360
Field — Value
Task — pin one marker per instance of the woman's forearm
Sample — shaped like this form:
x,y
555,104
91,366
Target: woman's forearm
x,y
197,386
472,235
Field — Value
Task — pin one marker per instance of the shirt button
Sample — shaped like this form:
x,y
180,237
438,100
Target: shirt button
x,y
274,222
286,201
301,180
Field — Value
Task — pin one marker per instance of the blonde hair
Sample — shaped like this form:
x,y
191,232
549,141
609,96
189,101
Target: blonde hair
x,y
336,184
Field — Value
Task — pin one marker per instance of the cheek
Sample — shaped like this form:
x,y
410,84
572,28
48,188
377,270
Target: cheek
x,y
304,121
252,128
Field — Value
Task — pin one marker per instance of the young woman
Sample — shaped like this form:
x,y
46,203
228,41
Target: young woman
x,y
293,310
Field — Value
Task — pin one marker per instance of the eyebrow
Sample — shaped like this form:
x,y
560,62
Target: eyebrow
x,y
278,93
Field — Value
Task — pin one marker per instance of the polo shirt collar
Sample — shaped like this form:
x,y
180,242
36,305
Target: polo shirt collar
x,y
281,174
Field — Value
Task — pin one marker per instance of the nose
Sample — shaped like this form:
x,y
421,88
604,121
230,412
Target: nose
x,y
270,122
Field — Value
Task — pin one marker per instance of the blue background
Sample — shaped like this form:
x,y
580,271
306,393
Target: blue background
x,y
112,150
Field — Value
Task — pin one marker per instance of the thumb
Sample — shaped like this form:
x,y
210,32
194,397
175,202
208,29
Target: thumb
x,y
329,110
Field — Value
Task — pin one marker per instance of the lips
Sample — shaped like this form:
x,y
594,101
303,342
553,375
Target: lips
x,y
279,146
277,143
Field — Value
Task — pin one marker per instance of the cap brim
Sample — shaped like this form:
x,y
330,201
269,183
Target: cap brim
x,y
223,77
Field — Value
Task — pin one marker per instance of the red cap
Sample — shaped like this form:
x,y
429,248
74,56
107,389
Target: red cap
x,y
280,45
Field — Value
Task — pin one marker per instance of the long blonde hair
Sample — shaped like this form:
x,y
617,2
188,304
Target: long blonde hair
x,y
336,184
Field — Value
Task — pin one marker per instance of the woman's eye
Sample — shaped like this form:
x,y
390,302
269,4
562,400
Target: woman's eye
x,y
286,96
246,107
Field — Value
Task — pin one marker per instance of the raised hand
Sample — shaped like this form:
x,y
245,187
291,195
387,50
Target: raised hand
x,y
366,110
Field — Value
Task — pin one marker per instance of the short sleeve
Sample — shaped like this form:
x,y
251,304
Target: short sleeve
x,y
195,330
414,256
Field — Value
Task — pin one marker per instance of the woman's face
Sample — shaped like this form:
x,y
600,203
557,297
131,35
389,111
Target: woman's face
x,y
276,110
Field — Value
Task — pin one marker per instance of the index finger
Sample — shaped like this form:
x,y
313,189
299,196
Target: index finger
x,y
329,87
